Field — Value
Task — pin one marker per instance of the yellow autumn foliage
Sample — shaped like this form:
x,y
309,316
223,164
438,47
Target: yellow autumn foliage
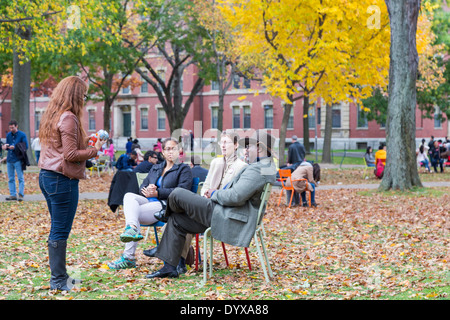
x,y
334,49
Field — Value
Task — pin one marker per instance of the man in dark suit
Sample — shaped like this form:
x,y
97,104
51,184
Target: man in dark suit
x,y
197,170
230,212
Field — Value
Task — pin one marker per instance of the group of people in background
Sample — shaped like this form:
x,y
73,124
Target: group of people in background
x,y
434,154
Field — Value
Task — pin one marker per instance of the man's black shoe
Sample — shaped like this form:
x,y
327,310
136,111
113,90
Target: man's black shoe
x,y
181,269
150,252
161,216
164,273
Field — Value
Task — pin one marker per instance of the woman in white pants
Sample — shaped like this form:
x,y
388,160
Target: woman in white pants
x,y
140,208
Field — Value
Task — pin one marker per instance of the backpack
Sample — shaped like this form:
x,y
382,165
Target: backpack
x,y
119,163
316,172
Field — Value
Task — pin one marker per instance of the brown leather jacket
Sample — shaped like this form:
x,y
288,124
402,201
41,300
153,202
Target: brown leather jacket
x,y
66,152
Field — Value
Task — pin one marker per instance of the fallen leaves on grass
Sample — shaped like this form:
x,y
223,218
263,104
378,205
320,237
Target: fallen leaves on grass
x,y
353,246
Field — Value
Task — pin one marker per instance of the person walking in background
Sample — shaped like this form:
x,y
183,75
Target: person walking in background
x,y
62,163
128,145
14,166
296,153
36,146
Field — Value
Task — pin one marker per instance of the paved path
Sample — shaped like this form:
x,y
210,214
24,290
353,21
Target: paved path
x,y
104,195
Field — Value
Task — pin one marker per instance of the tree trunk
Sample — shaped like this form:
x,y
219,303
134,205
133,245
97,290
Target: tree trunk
x,y
109,100
107,105
401,168
284,123
220,110
326,152
20,100
306,124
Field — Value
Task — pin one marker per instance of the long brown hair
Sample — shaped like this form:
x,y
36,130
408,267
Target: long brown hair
x,y
67,96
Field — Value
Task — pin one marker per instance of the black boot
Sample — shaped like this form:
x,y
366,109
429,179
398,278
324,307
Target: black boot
x,y
59,279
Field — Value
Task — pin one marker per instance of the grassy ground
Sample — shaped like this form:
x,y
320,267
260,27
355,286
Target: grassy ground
x,y
357,244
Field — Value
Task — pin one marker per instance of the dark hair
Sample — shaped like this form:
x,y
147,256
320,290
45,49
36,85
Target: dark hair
x,y
13,123
134,153
167,140
421,148
368,149
149,154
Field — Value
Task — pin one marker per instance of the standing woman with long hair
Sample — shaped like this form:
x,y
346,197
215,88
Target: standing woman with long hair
x,y
64,151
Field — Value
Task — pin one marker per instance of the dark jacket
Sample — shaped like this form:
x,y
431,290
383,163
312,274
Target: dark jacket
x,y
13,139
179,175
201,173
296,153
125,162
143,167
21,154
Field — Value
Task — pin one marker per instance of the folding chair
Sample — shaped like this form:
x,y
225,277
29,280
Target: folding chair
x,y
102,163
285,175
258,236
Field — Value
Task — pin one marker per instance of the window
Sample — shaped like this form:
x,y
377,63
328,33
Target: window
x,y
37,120
290,124
247,117
144,119
236,82
126,90
161,119
318,115
362,118
246,83
268,117
214,85
144,85
91,120
214,117
437,119
312,117
236,117
336,117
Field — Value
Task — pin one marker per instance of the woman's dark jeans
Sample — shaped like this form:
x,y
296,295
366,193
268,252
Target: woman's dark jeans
x,y
61,194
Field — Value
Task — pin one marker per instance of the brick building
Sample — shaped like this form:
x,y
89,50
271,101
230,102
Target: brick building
x,y
139,114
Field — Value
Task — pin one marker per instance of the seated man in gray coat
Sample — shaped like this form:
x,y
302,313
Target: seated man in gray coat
x,y
231,212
